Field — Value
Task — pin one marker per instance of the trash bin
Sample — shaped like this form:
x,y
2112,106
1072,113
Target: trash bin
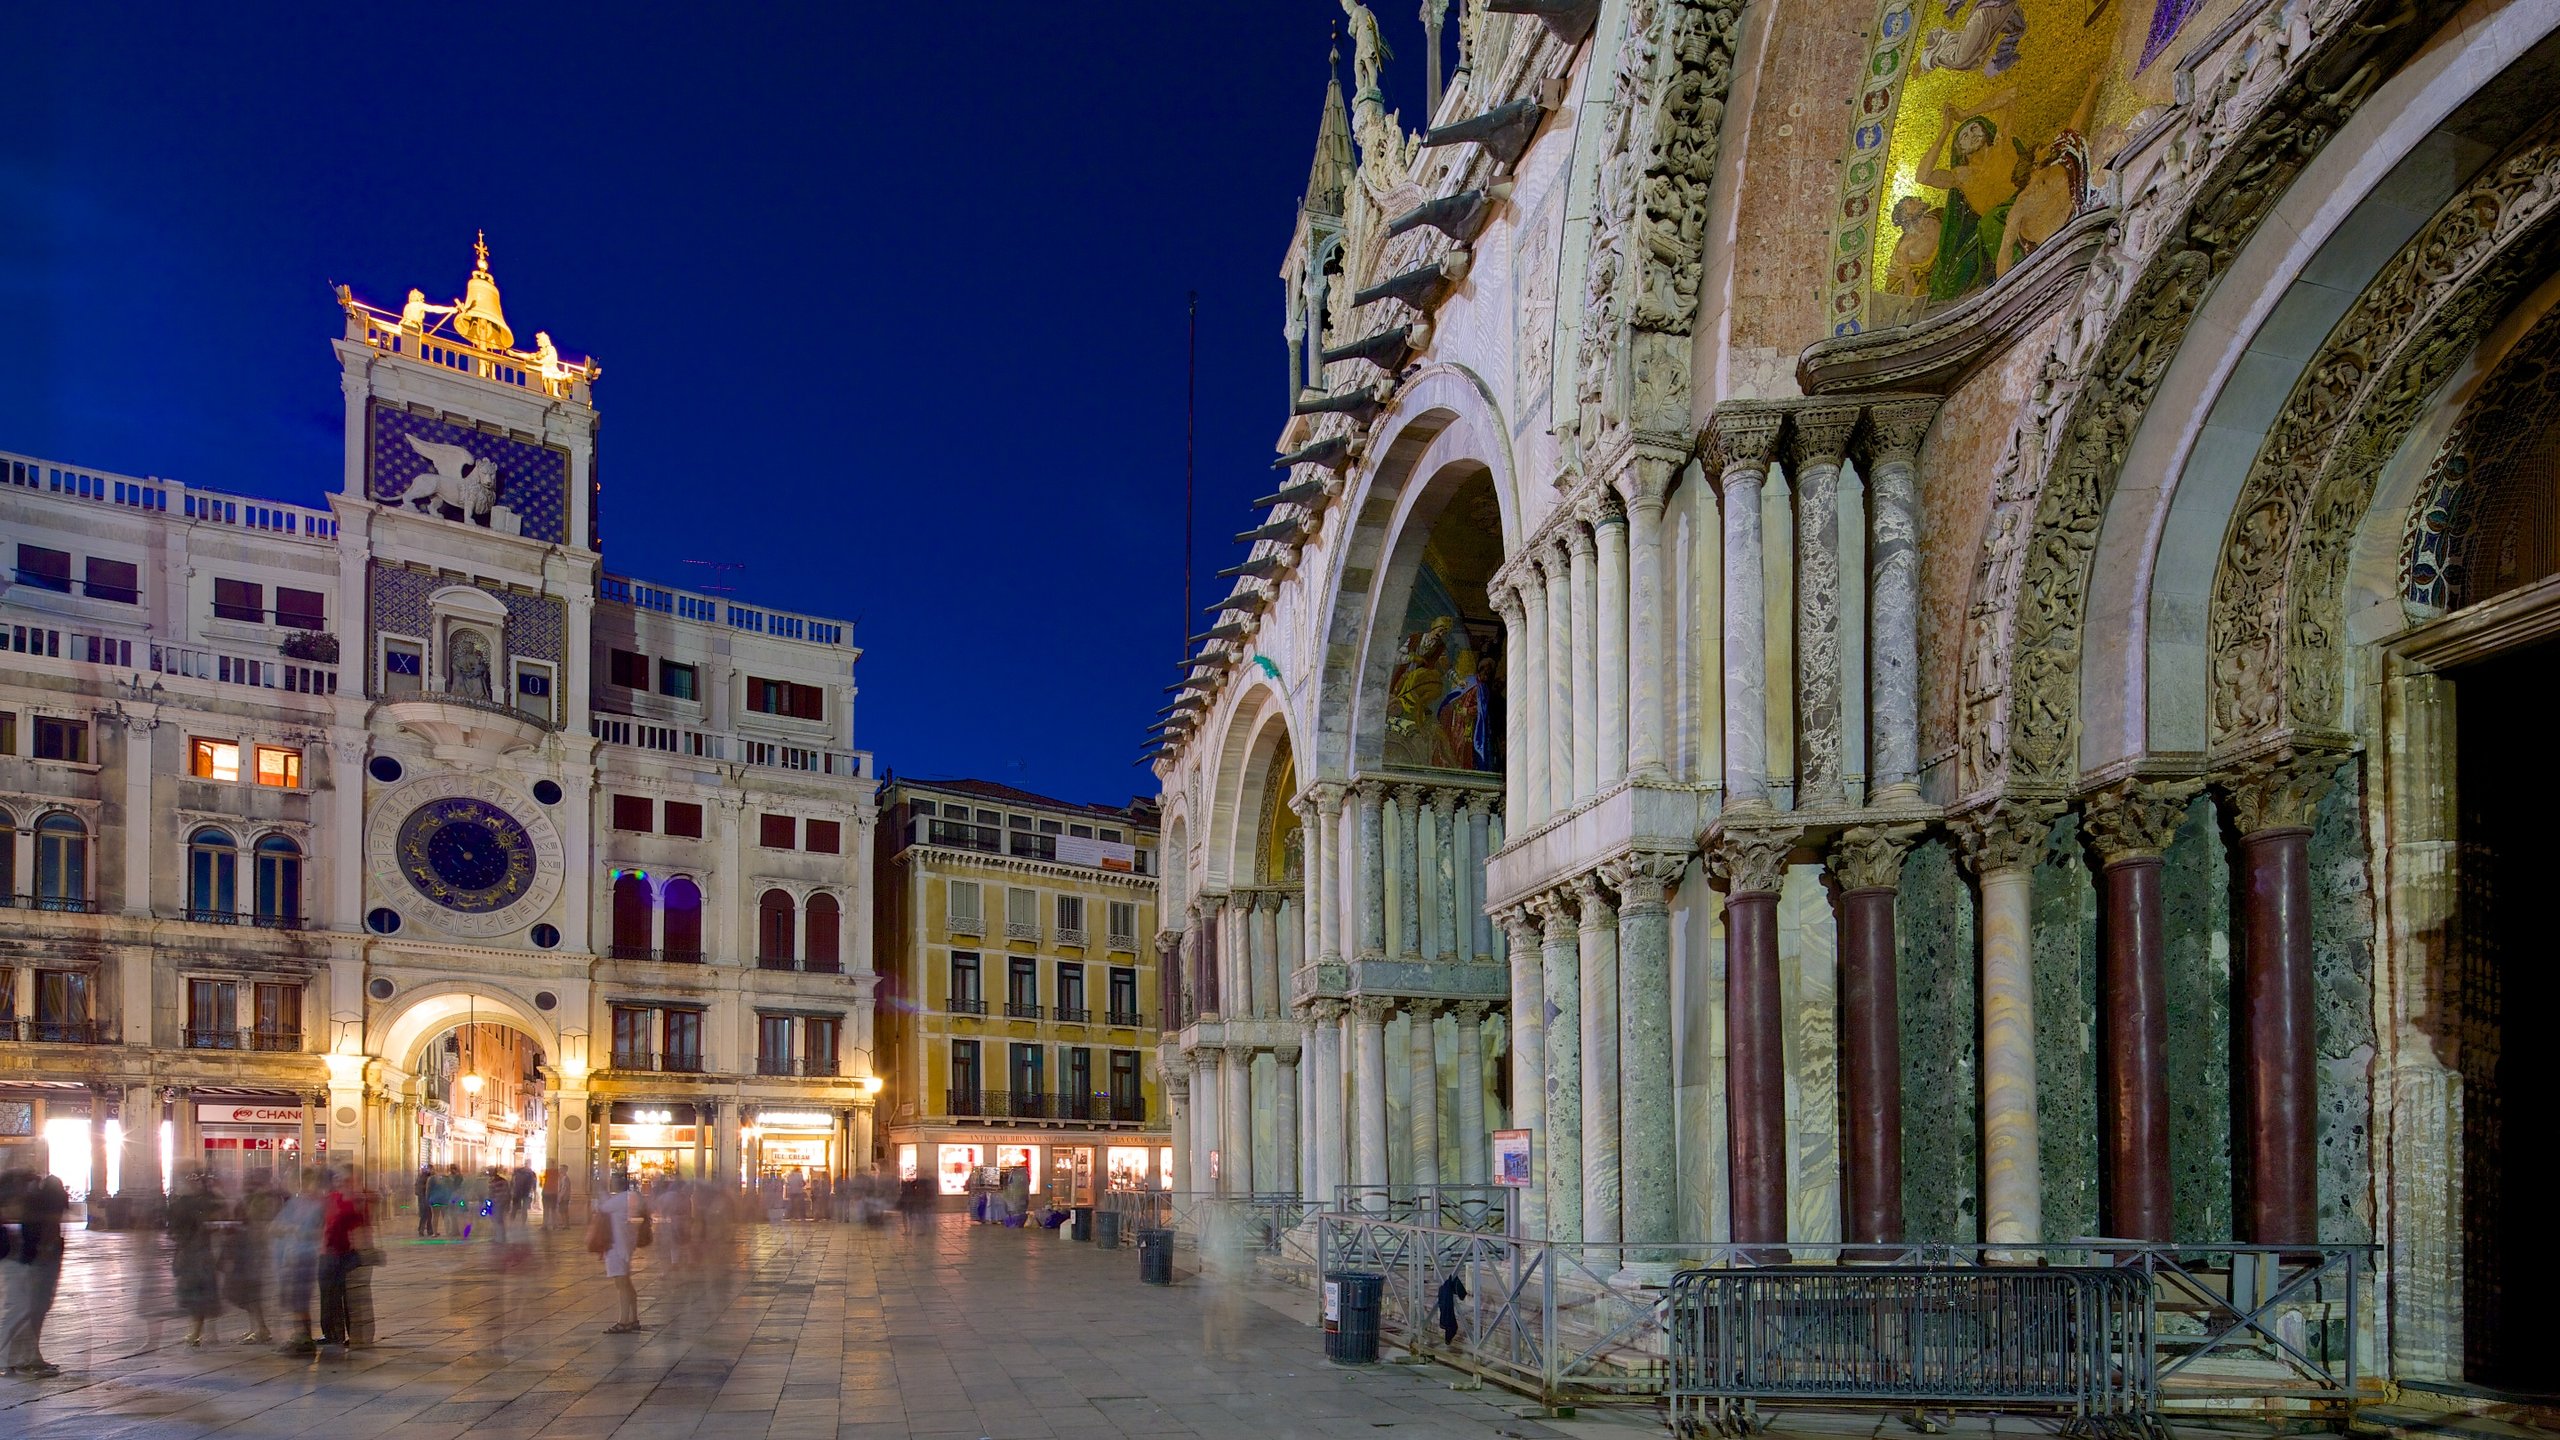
x,y
1106,1230
1084,1222
1351,1316
1155,1256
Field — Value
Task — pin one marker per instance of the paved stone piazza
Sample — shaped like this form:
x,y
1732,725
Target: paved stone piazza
x,y
803,1331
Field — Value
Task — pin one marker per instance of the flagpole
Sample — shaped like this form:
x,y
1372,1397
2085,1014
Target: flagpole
x,y
1190,423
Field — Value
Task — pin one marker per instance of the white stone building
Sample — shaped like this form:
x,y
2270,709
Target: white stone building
x,y
298,800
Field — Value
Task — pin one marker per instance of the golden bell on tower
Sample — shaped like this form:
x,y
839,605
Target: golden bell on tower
x,y
479,317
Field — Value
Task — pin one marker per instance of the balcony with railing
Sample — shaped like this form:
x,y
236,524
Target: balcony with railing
x,y
968,1005
1071,936
965,924
275,1040
680,1062
1124,944
663,955
1021,1010
59,904
801,1066
1074,1015
1101,1108
1131,1018
1022,930
199,916
56,1032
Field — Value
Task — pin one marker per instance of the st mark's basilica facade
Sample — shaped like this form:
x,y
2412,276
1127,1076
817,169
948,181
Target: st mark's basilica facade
x,y
1905,623
400,831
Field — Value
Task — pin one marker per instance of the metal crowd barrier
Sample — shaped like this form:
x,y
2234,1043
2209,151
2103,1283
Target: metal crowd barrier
x,y
2069,1341
1482,1208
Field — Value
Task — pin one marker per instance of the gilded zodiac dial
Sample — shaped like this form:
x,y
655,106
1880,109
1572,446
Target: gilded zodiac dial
x,y
466,854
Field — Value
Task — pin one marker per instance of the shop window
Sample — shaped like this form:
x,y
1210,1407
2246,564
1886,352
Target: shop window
x,y
279,767
64,740
782,697
301,609
676,680
778,832
774,948
43,568
825,924
213,876
62,862
278,1018
633,914
954,1164
684,820
213,1015
214,759
279,862
240,600
117,580
683,922
826,837
628,670
403,667
634,812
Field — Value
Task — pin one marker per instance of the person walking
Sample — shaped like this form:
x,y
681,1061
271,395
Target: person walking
x,y
245,1256
193,1220
440,1198
613,1233
343,1225
297,1257
425,1189
31,1273
520,1191
550,1187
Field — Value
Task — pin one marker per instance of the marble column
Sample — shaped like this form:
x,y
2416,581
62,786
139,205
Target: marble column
x,y
1373,870
1643,490
1581,567
1866,864
2129,827
2002,844
1479,838
1369,1077
1470,1118
1235,1091
1558,731
1562,944
1408,880
1750,864
1266,954
1746,438
1208,1115
2272,804
1821,441
1894,432
1448,944
1422,1074
1324,874
1609,534
1647,1123
1529,1062
1597,954
1324,1062
1525,748
1177,1117
1284,1120
1466,875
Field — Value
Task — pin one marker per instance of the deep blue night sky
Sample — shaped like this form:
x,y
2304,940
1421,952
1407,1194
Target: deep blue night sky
x,y
889,298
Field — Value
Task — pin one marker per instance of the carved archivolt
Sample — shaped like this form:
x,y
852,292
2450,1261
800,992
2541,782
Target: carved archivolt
x,y
2275,621
2235,147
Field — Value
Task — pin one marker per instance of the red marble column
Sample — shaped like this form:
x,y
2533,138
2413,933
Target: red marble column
x,y
1871,1068
2279,1091
2135,1022
1755,1069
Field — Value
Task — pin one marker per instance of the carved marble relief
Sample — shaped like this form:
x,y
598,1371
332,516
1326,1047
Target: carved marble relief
x,y
2066,984
1934,949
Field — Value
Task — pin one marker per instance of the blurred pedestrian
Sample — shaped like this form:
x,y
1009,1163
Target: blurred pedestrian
x,y
441,1198
550,1187
425,1188
31,1272
296,1238
613,1233
193,1220
344,1232
246,1257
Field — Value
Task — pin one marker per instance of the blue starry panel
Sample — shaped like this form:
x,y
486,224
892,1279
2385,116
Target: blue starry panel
x,y
533,480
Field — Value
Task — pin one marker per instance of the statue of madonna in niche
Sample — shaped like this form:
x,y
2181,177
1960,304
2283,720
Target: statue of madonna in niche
x,y
467,665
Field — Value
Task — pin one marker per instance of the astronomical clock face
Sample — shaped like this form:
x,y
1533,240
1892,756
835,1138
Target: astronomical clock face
x,y
465,855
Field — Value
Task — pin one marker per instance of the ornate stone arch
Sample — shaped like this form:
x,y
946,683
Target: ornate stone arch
x,y
401,1030
1257,723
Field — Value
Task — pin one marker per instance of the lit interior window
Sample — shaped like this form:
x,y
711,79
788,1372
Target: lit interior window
x,y
217,760
279,767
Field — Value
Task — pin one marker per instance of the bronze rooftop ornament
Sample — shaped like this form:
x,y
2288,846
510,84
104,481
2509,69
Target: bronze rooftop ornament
x,y
1297,492
1388,349
1221,632
1287,529
1457,216
1504,131
1255,568
1423,286
1569,20
1361,405
1333,453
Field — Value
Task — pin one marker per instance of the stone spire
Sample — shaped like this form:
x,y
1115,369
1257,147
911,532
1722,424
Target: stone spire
x,y
1329,177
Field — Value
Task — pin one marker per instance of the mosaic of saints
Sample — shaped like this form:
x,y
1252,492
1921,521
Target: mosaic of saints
x,y
1444,703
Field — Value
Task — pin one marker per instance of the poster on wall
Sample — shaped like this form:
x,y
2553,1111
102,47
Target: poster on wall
x,y
1511,1158
1100,854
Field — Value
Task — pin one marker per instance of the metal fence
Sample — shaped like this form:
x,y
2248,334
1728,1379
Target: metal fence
x,y
2187,1328
1247,1226
1485,1208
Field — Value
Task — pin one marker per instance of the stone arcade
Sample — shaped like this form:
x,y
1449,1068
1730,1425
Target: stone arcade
x,y
1863,694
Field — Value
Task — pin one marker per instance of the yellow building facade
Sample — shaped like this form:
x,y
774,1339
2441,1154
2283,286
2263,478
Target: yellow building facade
x,y
1019,1006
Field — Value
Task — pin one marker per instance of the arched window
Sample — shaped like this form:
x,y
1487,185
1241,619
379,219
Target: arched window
x,y
279,863
684,921
825,923
631,917
62,862
213,876
774,950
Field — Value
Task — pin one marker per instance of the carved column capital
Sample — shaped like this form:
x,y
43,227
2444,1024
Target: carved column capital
x,y
1328,797
2009,835
1820,434
1553,560
1470,1012
1372,1009
1644,485
1421,1009
1286,1054
1643,879
1895,428
1601,507
1506,603
1558,919
1750,862
1177,1086
1576,539
1744,436
1598,906
2137,819
1870,857
1520,925
2278,792
1444,802
1326,1009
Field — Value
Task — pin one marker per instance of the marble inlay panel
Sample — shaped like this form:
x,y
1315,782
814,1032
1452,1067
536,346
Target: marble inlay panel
x,y
2342,1010
1809,1000
2066,985
1935,962
2195,928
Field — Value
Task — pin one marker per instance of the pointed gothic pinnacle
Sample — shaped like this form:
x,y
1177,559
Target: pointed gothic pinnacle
x,y
1333,454
1504,131
1457,216
1423,286
1570,20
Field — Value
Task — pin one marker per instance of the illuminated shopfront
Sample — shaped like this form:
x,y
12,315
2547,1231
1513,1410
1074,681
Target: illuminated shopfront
x,y
657,1141
783,1143
1071,1174
253,1139
954,1164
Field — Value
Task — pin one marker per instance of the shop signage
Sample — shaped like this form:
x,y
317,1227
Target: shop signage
x,y
209,1113
795,1120
648,1113
1511,1158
